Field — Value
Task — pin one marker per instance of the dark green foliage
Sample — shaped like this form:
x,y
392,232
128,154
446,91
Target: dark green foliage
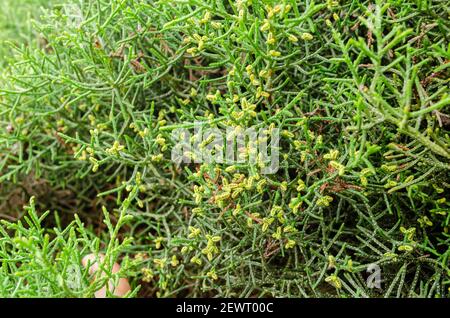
x,y
359,90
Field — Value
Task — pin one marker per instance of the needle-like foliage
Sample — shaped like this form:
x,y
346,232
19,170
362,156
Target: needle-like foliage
x,y
359,90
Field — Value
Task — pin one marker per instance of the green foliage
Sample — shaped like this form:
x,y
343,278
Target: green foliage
x,y
359,89
16,24
42,262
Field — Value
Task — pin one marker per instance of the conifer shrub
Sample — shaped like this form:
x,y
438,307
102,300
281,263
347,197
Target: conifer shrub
x,y
359,91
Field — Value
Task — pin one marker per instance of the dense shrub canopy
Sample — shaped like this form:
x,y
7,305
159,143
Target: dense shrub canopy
x,y
358,89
